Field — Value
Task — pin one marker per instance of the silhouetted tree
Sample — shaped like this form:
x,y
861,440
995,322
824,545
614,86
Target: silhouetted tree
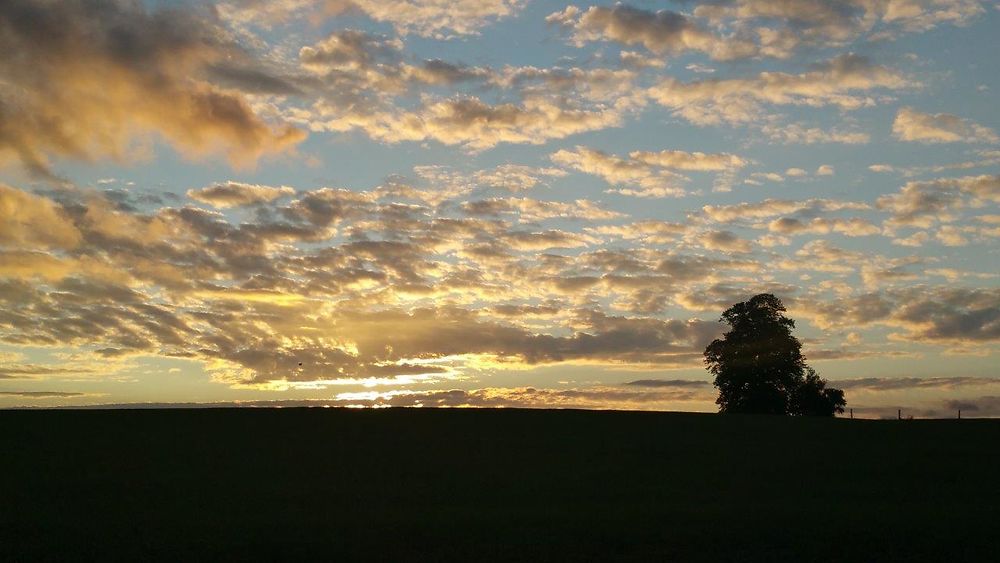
x,y
759,368
812,398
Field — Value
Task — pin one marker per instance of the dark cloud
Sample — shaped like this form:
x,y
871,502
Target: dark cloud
x,y
654,383
987,406
253,80
908,383
38,371
89,74
234,194
663,31
41,394
937,314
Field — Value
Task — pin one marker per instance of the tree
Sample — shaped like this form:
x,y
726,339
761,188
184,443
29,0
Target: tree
x,y
812,398
759,367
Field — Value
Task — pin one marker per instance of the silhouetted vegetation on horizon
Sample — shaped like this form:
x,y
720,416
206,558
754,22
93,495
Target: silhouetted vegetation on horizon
x,y
492,485
759,367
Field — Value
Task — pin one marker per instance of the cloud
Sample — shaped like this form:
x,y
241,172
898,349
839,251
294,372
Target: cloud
x,y
470,122
93,79
592,84
841,82
914,15
535,210
933,315
639,178
668,383
651,231
725,241
693,161
22,215
259,311
595,397
236,194
349,49
636,60
544,240
985,158
646,173
908,383
362,81
40,394
427,18
36,371
383,340
773,207
741,29
949,235
985,406
700,69
912,125
530,397
922,203
738,29
854,227
720,296
516,178
590,397
797,134
784,26
832,20
662,32
757,178
392,286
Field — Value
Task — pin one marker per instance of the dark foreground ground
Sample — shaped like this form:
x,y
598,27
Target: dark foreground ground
x,y
473,485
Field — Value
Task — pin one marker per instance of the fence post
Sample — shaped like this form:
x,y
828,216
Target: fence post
x,y
899,414
852,414
960,414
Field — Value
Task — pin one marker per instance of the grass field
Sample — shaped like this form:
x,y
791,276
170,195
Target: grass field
x,y
471,485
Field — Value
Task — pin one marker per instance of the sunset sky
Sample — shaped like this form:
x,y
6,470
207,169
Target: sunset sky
x,y
495,202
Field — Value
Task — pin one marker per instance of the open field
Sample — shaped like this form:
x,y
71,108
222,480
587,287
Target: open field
x,y
493,485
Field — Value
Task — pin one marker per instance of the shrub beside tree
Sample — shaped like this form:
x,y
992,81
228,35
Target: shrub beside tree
x,y
759,367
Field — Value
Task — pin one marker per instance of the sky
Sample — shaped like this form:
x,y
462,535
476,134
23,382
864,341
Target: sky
x,y
521,203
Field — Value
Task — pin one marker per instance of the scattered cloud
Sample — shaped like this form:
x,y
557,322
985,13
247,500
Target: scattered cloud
x,y
798,134
646,173
945,315
841,82
912,125
235,194
428,18
923,203
663,32
773,207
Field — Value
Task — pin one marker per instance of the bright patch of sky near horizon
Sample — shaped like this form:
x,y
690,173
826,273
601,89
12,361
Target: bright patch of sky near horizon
x,y
494,202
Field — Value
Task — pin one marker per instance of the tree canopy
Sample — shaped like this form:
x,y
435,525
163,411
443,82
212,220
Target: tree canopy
x,y
759,367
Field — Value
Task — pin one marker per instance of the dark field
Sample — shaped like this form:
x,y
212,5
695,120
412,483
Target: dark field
x,y
318,484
